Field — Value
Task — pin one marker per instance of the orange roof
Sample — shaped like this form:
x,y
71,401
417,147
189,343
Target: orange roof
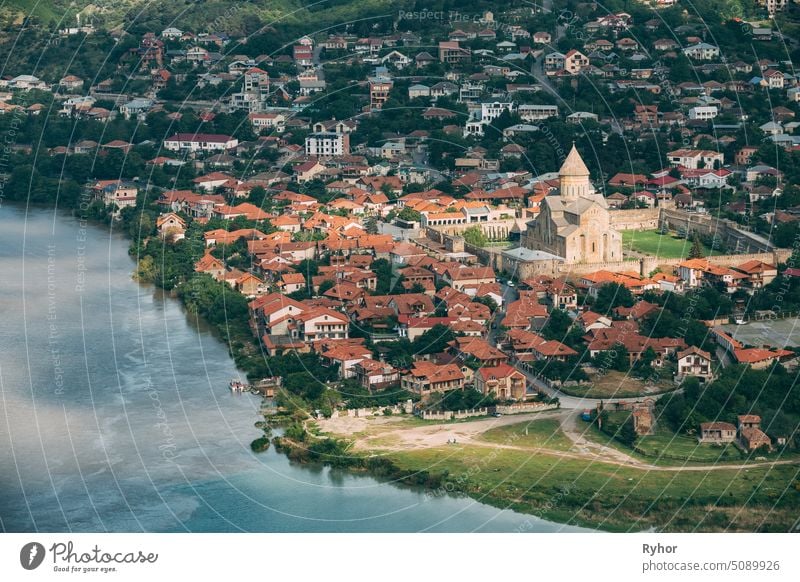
x,y
755,355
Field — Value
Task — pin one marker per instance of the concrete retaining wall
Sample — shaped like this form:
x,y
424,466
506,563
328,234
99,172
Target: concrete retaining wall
x,y
523,407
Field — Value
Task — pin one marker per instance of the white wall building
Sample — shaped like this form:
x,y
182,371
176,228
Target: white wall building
x,y
327,144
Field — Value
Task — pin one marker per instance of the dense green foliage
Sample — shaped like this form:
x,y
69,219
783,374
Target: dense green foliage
x,y
774,394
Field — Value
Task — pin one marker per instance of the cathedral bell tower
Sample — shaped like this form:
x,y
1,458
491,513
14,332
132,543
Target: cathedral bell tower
x,y
574,177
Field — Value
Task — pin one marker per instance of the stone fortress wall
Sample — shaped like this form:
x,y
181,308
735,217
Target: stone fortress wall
x,y
748,245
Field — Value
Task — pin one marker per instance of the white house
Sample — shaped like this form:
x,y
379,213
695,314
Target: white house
x,y
200,142
694,159
702,51
537,112
327,144
415,91
703,112
269,121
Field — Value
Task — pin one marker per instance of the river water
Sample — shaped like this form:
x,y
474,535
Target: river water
x,y
115,413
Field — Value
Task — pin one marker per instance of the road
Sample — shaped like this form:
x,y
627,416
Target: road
x,y
510,294
537,68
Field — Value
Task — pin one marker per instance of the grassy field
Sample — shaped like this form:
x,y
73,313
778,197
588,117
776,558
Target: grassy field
x,y
667,448
614,384
613,497
540,433
651,242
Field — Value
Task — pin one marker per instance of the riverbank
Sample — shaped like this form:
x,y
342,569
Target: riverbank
x,y
530,466
118,417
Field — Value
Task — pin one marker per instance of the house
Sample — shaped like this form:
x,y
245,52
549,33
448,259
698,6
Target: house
x,y
717,432
210,265
537,112
691,271
200,142
706,178
212,181
327,144
773,79
624,333
411,304
171,225
346,357
319,323
574,62
503,381
643,419
744,157
622,180
701,51
273,313
703,112
758,273
760,358
477,349
291,283
307,171
427,378
751,437
268,121
526,313
249,285
695,159
71,83
375,375
460,277
694,362
136,108
451,53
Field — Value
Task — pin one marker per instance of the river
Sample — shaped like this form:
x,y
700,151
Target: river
x,y
115,413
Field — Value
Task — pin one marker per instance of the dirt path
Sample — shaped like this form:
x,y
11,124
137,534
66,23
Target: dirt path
x,y
575,430
382,434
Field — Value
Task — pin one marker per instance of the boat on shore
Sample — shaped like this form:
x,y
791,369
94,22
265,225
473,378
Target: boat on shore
x,y
265,387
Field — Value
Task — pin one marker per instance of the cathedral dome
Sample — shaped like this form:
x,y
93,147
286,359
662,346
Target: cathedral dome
x,y
573,165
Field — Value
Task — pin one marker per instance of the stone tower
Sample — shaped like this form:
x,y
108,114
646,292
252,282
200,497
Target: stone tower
x,y
574,177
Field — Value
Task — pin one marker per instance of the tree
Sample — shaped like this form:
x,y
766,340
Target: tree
x,y
409,215
617,358
557,326
612,295
474,235
627,433
308,268
371,225
325,286
488,301
383,271
434,340
696,252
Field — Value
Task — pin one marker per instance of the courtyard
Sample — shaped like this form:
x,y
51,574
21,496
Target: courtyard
x,y
775,333
652,242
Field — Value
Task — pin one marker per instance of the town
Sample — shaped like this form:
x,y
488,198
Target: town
x,y
570,210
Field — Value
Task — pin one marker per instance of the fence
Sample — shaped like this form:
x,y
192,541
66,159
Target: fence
x,y
524,407
450,414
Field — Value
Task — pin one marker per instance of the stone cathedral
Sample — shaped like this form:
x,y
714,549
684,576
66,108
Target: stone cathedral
x,y
575,224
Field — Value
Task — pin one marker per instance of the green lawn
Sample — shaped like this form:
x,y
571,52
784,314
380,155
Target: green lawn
x,y
651,242
614,384
684,447
613,497
545,433
667,448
